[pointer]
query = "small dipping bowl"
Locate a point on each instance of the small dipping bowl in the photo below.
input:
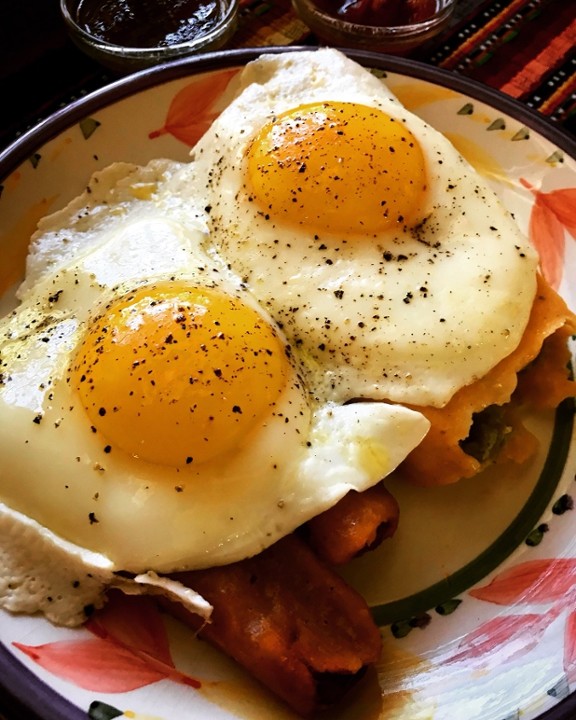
(128, 35)
(396, 27)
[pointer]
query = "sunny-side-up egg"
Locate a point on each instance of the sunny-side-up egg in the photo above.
(387, 261)
(152, 415)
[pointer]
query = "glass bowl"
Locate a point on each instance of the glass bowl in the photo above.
(339, 30)
(123, 40)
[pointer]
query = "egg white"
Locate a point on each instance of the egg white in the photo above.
(42, 573)
(406, 316)
(131, 227)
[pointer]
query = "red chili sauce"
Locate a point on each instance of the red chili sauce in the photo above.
(380, 12)
(147, 23)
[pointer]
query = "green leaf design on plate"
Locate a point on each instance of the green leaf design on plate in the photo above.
(379, 73)
(498, 124)
(401, 628)
(563, 504)
(556, 157)
(102, 711)
(448, 607)
(467, 109)
(536, 536)
(561, 689)
(88, 126)
(522, 134)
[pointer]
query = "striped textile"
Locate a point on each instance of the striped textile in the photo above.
(526, 48)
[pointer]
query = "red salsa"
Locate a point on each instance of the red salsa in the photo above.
(147, 23)
(380, 12)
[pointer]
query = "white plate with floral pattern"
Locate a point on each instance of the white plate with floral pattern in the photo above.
(476, 593)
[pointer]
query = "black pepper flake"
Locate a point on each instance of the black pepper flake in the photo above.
(38, 419)
(102, 411)
(108, 449)
(55, 297)
(92, 518)
(339, 294)
(237, 409)
(188, 460)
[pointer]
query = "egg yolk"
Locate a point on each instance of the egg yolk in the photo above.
(338, 167)
(176, 375)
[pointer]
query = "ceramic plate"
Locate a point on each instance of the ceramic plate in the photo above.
(476, 592)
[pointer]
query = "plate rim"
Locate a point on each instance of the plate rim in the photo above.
(44, 131)
(22, 692)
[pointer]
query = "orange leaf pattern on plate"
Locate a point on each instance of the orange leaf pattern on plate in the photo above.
(550, 581)
(192, 109)
(570, 646)
(502, 638)
(553, 213)
(535, 581)
(130, 650)
(93, 664)
(144, 634)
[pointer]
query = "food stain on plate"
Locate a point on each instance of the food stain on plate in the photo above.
(15, 243)
(481, 160)
(399, 699)
(415, 96)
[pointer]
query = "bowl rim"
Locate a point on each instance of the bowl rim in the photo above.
(389, 32)
(140, 53)
(22, 693)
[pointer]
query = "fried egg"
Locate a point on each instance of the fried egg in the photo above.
(151, 411)
(383, 256)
